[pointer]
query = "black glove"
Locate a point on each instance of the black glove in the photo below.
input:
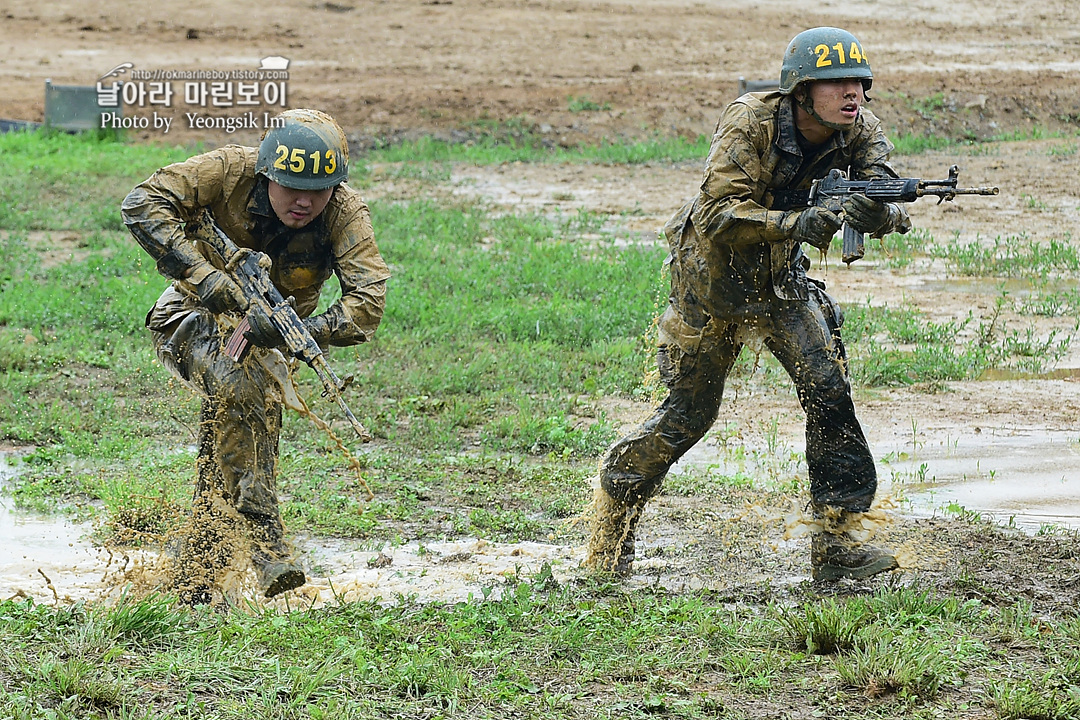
(816, 226)
(219, 294)
(262, 331)
(867, 215)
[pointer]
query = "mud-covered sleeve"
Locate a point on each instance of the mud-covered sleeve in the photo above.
(871, 150)
(362, 273)
(728, 207)
(156, 210)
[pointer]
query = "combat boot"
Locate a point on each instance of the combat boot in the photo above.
(276, 568)
(278, 576)
(611, 545)
(836, 554)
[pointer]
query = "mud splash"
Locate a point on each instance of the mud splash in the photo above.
(55, 561)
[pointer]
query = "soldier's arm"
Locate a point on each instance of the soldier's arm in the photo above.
(870, 161)
(726, 203)
(157, 210)
(362, 273)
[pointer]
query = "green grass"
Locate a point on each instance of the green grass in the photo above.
(59, 181)
(911, 144)
(492, 143)
(897, 346)
(900, 250)
(586, 104)
(531, 647)
(1012, 256)
(493, 150)
(500, 335)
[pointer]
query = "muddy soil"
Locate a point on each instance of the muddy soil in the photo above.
(402, 69)
(418, 66)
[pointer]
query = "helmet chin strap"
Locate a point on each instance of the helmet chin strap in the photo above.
(807, 104)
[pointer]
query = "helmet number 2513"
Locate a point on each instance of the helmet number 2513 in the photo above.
(297, 162)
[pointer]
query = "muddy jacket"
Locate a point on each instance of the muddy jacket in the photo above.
(163, 212)
(729, 249)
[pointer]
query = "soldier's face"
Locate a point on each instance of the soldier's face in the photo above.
(838, 101)
(297, 208)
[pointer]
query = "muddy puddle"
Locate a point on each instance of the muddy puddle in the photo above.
(48, 558)
(1026, 478)
(347, 571)
(54, 561)
(1029, 478)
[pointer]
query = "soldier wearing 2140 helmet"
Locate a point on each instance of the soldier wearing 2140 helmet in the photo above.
(287, 199)
(738, 271)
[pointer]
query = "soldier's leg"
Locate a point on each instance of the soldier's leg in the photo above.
(805, 338)
(210, 541)
(238, 458)
(634, 467)
(807, 343)
(205, 549)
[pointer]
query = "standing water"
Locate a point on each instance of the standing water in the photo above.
(46, 557)
(1028, 478)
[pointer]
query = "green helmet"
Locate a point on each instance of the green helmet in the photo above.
(304, 150)
(824, 53)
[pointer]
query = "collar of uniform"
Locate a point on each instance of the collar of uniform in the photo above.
(787, 136)
(259, 204)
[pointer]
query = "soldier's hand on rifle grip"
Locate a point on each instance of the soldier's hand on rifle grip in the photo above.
(263, 332)
(867, 215)
(219, 294)
(816, 226)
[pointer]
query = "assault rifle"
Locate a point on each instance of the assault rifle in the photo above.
(249, 269)
(831, 191)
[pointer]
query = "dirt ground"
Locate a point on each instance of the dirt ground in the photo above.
(393, 69)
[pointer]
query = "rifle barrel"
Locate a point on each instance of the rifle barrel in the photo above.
(949, 191)
(330, 384)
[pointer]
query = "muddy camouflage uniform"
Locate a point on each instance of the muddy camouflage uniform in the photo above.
(736, 272)
(241, 406)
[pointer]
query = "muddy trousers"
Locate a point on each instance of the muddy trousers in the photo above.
(239, 427)
(805, 337)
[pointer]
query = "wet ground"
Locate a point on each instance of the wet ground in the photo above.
(47, 557)
(55, 560)
(1024, 479)
(1027, 478)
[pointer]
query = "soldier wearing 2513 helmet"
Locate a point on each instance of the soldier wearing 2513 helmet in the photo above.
(288, 199)
(738, 271)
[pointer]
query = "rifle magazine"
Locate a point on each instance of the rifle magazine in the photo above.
(238, 345)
